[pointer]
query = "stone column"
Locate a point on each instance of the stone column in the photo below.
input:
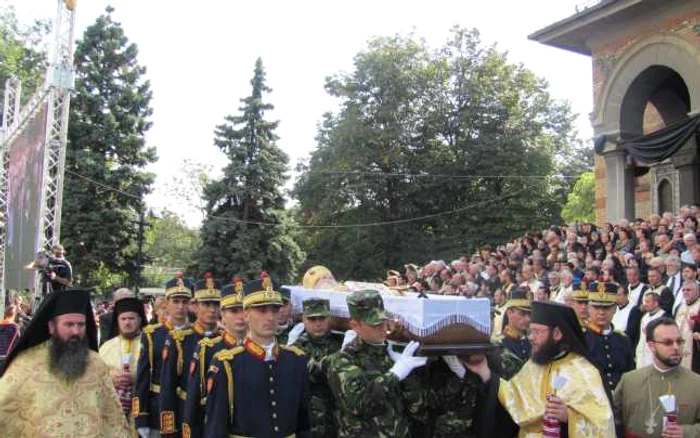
(688, 166)
(619, 183)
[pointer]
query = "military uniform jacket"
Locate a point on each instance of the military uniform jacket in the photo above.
(369, 398)
(193, 417)
(179, 348)
(611, 352)
(515, 352)
(248, 396)
(144, 406)
(282, 334)
(322, 405)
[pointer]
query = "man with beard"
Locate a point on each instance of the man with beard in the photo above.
(179, 349)
(610, 350)
(318, 342)
(54, 382)
(121, 352)
(636, 399)
(145, 404)
(261, 388)
(233, 336)
(558, 383)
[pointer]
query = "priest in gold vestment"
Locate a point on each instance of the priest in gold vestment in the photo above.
(558, 382)
(121, 352)
(54, 383)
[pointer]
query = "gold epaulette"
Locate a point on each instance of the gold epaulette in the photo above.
(209, 342)
(151, 328)
(622, 332)
(180, 335)
(228, 354)
(296, 350)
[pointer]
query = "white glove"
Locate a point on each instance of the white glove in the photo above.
(392, 354)
(144, 432)
(407, 362)
(348, 338)
(455, 365)
(295, 332)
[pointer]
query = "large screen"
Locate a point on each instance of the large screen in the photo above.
(24, 182)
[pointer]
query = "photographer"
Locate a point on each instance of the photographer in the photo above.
(60, 272)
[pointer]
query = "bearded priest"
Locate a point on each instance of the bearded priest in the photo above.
(54, 382)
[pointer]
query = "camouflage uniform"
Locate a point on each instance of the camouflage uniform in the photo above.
(282, 333)
(371, 400)
(318, 348)
(453, 401)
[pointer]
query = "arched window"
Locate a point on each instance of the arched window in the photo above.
(665, 193)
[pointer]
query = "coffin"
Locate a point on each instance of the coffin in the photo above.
(438, 322)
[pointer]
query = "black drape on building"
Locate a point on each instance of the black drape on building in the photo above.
(659, 145)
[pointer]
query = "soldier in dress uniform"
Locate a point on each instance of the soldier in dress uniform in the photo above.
(516, 348)
(180, 347)
(260, 389)
(318, 342)
(232, 336)
(365, 380)
(610, 350)
(579, 303)
(145, 405)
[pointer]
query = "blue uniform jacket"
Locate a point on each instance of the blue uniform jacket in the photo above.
(520, 347)
(612, 354)
(193, 419)
(249, 397)
(180, 346)
(144, 406)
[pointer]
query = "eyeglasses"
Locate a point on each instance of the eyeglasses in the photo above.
(670, 342)
(537, 332)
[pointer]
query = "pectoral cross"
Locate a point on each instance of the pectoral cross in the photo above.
(650, 424)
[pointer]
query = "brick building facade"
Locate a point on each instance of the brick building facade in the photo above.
(645, 61)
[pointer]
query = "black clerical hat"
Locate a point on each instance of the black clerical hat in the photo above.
(60, 302)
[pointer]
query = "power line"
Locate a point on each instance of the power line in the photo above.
(431, 175)
(376, 224)
(104, 186)
(342, 226)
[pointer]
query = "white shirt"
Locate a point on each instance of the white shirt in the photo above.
(635, 294)
(643, 355)
(677, 281)
(622, 316)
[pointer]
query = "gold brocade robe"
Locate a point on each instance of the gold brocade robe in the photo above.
(35, 403)
(524, 397)
(113, 353)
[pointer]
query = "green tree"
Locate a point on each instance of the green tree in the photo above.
(236, 237)
(457, 137)
(106, 154)
(169, 246)
(22, 52)
(580, 203)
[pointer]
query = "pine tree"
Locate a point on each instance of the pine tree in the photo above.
(234, 239)
(109, 117)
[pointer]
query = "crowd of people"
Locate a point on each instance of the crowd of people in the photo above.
(595, 327)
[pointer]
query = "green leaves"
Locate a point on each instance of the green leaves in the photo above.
(246, 228)
(580, 203)
(109, 117)
(422, 132)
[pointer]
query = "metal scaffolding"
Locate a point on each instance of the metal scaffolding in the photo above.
(56, 94)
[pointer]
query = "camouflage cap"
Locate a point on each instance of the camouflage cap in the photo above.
(317, 307)
(367, 306)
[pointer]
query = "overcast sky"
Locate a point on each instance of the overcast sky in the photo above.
(200, 57)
